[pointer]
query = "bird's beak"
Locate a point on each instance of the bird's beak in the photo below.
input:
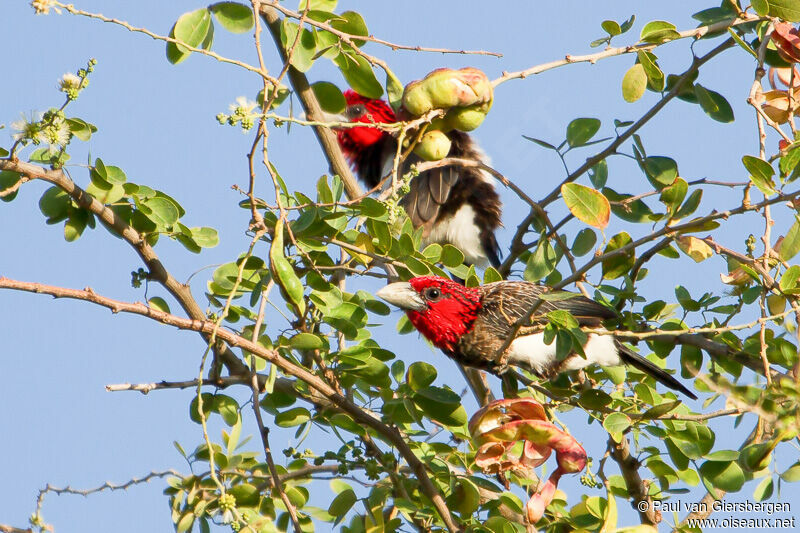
(334, 117)
(403, 296)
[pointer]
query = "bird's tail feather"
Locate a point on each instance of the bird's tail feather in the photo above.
(637, 361)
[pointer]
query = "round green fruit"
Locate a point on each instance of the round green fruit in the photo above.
(433, 146)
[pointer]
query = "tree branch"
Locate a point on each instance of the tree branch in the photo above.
(157, 271)
(390, 433)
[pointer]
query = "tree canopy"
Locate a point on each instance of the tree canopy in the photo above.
(654, 171)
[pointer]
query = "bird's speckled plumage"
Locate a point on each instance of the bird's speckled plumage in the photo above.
(472, 324)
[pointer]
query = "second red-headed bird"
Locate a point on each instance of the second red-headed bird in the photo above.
(454, 205)
(471, 325)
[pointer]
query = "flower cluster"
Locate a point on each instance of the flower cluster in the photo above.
(242, 112)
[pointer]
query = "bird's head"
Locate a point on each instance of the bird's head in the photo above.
(368, 111)
(441, 309)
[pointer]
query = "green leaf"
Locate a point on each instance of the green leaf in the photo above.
(8, 179)
(465, 498)
(205, 237)
(303, 53)
(163, 212)
(611, 27)
(227, 408)
(308, 341)
(158, 303)
(246, 495)
(594, 399)
(185, 522)
(233, 16)
(372, 208)
(788, 10)
(106, 193)
(615, 424)
(587, 204)
(690, 205)
(584, 242)
(761, 174)
(761, 7)
(541, 262)
(742, 43)
(723, 456)
(420, 375)
(714, 104)
(673, 195)
(618, 265)
(342, 503)
(764, 490)
(634, 83)
(329, 96)
(633, 211)
(54, 204)
(292, 417)
(789, 279)
(317, 5)
(660, 171)
(191, 28)
(451, 256)
(659, 31)
(598, 174)
(727, 476)
(394, 90)
(543, 144)
(359, 75)
(661, 409)
(792, 475)
(655, 77)
(352, 23)
(76, 223)
(791, 243)
(79, 128)
(442, 405)
(3, 152)
(284, 274)
(581, 130)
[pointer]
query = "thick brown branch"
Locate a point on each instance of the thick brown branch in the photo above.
(326, 137)
(629, 466)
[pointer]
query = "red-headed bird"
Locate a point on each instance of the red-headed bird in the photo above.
(471, 325)
(455, 205)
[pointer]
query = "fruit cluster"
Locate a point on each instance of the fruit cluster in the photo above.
(465, 94)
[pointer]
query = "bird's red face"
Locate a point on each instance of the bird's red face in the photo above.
(441, 309)
(368, 111)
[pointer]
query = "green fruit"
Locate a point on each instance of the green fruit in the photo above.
(445, 88)
(433, 146)
(467, 118)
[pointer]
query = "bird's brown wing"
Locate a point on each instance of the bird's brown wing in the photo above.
(511, 300)
(505, 302)
(426, 195)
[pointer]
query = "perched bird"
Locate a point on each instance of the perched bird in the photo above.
(455, 205)
(471, 324)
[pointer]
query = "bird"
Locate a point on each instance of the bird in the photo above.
(472, 324)
(454, 205)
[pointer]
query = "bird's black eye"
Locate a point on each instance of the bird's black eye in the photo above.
(432, 294)
(355, 111)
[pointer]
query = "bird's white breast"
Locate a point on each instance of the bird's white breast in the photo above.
(531, 352)
(461, 231)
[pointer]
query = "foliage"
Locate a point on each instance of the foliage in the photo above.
(400, 429)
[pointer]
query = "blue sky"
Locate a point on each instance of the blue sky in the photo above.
(156, 121)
